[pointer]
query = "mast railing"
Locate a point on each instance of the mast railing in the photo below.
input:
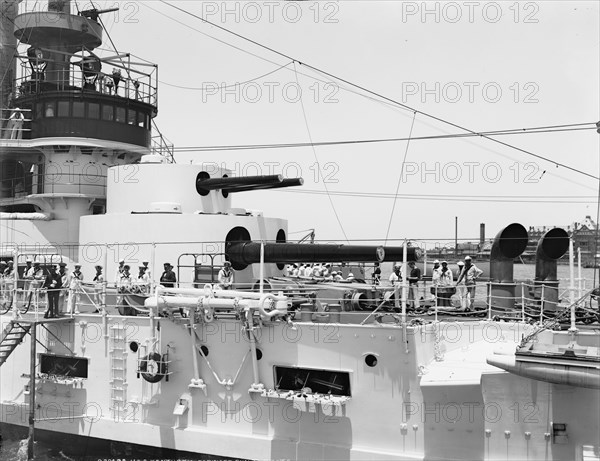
(130, 84)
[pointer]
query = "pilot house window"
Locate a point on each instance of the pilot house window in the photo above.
(94, 110)
(120, 117)
(78, 109)
(63, 108)
(107, 113)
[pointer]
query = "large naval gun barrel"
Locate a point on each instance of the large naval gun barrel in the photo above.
(509, 243)
(552, 246)
(249, 253)
(245, 183)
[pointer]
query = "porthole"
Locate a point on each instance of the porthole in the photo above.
(371, 360)
(133, 346)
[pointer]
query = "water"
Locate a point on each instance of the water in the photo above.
(52, 446)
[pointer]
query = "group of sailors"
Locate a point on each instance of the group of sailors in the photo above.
(126, 282)
(62, 287)
(442, 280)
(317, 270)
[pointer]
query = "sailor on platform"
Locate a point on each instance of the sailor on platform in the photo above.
(413, 285)
(119, 272)
(62, 297)
(147, 270)
(37, 280)
(445, 285)
(470, 274)
(435, 278)
(124, 284)
(376, 275)
(10, 268)
(53, 284)
(3, 294)
(396, 277)
(168, 278)
(28, 277)
(99, 298)
(225, 276)
(74, 280)
(460, 288)
(15, 125)
(142, 283)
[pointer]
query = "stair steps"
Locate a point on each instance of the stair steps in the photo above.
(12, 337)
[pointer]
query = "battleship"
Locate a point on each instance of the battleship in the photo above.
(274, 364)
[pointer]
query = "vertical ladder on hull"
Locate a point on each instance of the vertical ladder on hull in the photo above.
(12, 337)
(118, 384)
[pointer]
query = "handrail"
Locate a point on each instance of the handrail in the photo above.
(45, 183)
(143, 89)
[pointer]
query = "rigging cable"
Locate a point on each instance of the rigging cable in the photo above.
(400, 177)
(374, 93)
(318, 164)
(556, 199)
(378, 140)
(227, 86)
(597, 233)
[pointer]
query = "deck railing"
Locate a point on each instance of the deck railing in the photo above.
(50, 183)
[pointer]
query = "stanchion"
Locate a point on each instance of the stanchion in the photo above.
(542, 306)
(436, 303)
(522, 301)
(489, 286)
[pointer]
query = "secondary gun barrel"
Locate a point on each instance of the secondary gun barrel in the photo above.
(249, 253)
(288, 182)
(245, 183)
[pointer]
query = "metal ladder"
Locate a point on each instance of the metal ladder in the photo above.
(118, 372)
(13, 336)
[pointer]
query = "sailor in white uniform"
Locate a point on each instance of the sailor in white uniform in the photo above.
(225, 276)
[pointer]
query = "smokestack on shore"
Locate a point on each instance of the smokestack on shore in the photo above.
(481, 235)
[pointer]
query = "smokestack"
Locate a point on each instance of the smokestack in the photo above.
(8, 49)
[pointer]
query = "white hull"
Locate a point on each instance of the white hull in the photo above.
(409, 406)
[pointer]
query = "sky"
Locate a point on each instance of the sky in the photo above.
(484, 66)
